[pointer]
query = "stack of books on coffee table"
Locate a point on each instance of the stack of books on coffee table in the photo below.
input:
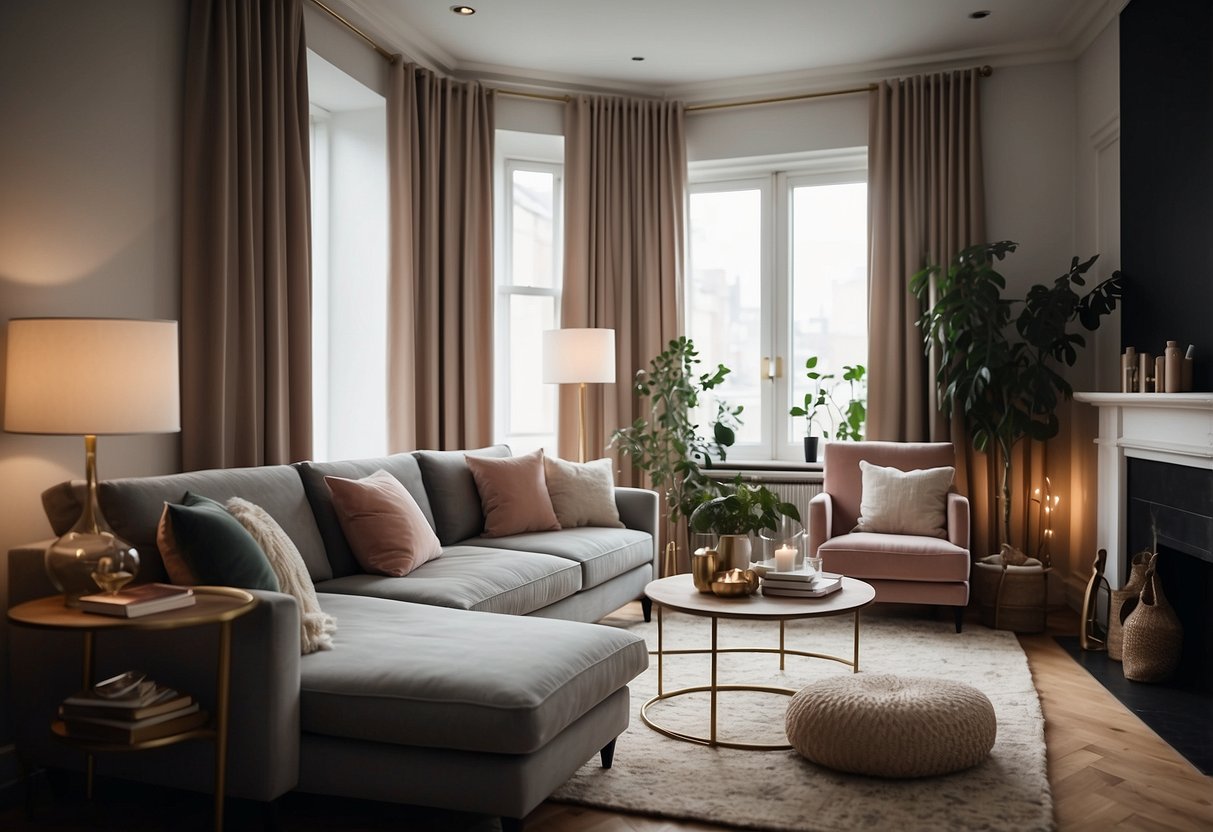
(148, 711)
(800, 584)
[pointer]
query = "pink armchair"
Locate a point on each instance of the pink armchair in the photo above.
(903, 568)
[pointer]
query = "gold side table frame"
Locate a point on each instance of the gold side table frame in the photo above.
(213, 605)
(673, 593)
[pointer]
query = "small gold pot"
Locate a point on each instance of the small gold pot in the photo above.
(735, 583)
(704, 566)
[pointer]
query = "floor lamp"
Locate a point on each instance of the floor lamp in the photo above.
(579, 356)
(84, 377)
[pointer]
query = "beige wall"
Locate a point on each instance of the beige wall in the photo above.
(89, 216)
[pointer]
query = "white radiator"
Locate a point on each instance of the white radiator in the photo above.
(791, 488)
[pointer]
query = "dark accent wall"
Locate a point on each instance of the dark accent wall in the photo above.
(1166, 209)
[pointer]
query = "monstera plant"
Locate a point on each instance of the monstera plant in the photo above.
(999, 358)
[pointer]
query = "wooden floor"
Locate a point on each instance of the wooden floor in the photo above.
(1106, 768)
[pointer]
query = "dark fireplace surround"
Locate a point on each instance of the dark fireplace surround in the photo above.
(1171, 507)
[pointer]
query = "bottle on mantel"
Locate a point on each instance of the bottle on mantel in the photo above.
(1174, 369)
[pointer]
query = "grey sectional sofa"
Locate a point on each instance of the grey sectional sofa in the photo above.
(454, 686)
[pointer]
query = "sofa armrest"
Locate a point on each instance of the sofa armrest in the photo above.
(263, 732)
(640, 509)
(958, 520)
(821, 521)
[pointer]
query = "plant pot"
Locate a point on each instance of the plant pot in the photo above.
(1011, 597)
(733, 552)
(810, 449)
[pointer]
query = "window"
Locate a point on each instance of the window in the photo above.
(778, 272)
(529, 232)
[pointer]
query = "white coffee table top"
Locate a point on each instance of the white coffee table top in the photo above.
(678, 592)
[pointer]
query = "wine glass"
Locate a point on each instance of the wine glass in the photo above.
(116, 570)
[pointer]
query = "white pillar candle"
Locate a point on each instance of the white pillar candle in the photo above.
(785, 559)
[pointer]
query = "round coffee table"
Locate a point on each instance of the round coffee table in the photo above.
(678, 593)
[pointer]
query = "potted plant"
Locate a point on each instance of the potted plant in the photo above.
(742, 511)
(847, 421)
(999, 362)
(668, 445)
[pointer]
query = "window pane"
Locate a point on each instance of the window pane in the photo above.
(532, 404)
(829, 287)
(724, 298)
(533, 211)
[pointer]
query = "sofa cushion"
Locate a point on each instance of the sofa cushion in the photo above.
(133, 507)
(212, 546)
(583, 494)
(905, 557)
(383, 524)
(513, 494)
(473, 578)
(602, 553)
(452, 491)
(401, 466)
(440, 678)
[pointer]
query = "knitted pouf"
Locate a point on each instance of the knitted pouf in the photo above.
(891, 726)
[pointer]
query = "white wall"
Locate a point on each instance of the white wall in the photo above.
(771, 129)
(89, 214)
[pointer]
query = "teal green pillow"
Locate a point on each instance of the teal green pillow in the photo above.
(214, 546)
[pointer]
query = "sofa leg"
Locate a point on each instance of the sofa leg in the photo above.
(511, 824)
(959, 613)
(646, 606)
(607, 754)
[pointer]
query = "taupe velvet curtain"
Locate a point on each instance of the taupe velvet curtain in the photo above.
(624, 214)
(926, 202)
(440, 280)
(246, 373)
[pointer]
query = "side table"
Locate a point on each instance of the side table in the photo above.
(213, 605)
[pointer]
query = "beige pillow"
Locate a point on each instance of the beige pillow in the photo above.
(385, 527)
(904, 502)
(513, 494)
(316, 625)
(583, 494)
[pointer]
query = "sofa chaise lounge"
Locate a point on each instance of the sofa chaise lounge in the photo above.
(475, 682)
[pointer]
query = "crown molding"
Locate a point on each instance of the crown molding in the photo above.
(410, 43)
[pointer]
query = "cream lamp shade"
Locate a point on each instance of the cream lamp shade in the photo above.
(90, 376)
(579, 356)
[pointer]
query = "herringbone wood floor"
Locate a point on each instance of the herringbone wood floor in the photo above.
(1106, 768)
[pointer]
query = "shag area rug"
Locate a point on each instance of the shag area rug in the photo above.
(780, 790)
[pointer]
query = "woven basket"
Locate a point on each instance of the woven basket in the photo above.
(1126, 594)
(1153, 637)
(1011, 597)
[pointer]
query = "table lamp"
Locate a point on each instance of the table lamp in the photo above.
(91, 376)
(579, 356)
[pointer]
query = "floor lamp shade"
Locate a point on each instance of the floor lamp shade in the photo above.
(579, 356)
(90, 376)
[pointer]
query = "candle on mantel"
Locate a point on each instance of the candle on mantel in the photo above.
(785, 559)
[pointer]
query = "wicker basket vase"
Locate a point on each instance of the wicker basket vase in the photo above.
(1153, 636)
(1011, 597)
(1123, 602)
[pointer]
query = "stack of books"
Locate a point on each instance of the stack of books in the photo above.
(144, 599)
(145, 711)
(800, 584)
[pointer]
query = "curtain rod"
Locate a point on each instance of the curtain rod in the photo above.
(983, 71)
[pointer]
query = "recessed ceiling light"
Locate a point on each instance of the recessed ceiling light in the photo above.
(466, 11)
(978, 15)
(637, 58)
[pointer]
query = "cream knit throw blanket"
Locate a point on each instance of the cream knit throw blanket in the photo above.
(317, 625)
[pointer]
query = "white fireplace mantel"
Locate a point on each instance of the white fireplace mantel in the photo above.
(1164, 427)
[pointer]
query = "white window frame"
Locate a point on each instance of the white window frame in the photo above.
(776, 176)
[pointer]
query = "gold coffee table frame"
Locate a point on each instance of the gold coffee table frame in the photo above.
(678, 593)
(213, 605)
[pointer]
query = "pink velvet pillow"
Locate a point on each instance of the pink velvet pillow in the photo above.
(514, 494)
(383, 523)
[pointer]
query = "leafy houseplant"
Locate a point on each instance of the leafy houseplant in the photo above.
(999, 357)
(743, 511)
(667, 445)
(847, 421)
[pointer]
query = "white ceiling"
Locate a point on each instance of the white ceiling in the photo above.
(695, 47)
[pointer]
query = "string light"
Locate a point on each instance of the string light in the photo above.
(1046, 502)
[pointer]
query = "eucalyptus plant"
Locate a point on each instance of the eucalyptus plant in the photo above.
(999, 357)
(668, 445)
